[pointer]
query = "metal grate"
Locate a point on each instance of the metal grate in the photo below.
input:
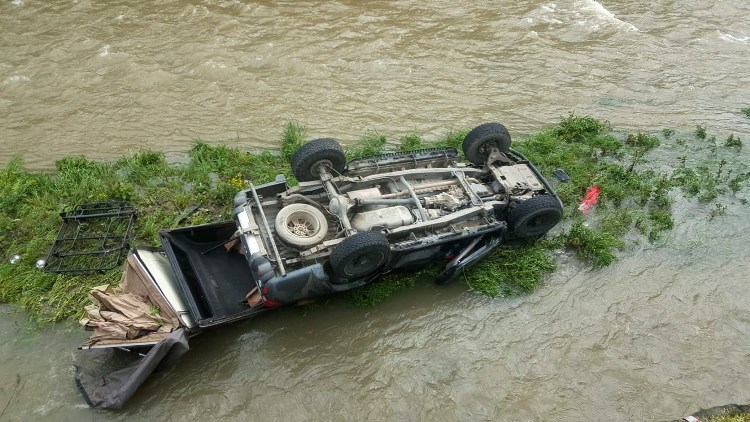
(93, 237)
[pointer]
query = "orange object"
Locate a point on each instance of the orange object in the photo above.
(592, 195)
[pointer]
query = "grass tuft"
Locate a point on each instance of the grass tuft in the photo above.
(596, 247)
(573, 128)
(510, 271)
(291, 139)
(642, 140)
(700, 132)
(411, 142)
(387, 286)
(369, 145)
(729, 417)
(733, 141)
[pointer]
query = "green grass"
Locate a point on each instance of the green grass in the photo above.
(30, 204)
(510, 271)
(709, 179)
(388, 286)
(733, 141)
(594, 246)
(700, 132)
(635, 200)
(291, 139)
(369, 145)
(667, 133)
(734, 417)
(411, 142)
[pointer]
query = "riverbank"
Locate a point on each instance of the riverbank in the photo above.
(634, 205)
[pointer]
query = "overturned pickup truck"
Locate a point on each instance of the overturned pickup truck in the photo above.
(343, 226)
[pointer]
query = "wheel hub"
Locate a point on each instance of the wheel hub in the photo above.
(315, 168)
(300, 227)
(365, 263)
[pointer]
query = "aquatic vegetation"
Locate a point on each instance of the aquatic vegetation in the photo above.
(618, 222)
(719, 210)
(643, 141)
(573, 128)
(595, 246)
(733, 141)
(661, 221)
(635, 200)
(700, 132)
(509, 271)
(708, 180)
(736, 183)
(746, 112)
(389, 285)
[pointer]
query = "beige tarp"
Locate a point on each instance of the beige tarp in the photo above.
(133, 312)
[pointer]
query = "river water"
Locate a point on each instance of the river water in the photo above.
(660, 333)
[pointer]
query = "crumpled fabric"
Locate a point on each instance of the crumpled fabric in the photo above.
(120, 315)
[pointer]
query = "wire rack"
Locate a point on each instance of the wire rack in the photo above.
(93, 238)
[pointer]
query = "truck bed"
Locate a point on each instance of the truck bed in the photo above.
(214, 281)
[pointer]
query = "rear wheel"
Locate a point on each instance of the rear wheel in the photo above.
(301, 225)
(535, 216)
(360, 255)
(309, 157)
(481, 139)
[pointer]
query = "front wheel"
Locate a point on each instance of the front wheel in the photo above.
(535, 216)
(481, 139)
(360, 255)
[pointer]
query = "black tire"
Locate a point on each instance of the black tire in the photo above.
(535, 216)
(477, 141)
(310, 156)
(360, 255)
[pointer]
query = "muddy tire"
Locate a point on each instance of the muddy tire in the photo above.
(477, 142)
(301, 225)
(535, 217)
(360, 255)
(310, 156)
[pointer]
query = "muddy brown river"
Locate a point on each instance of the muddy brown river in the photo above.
(662, 332)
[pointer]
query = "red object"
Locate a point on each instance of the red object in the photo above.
(592, 195)
(271, 303)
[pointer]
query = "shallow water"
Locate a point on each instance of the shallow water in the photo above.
(655, 336)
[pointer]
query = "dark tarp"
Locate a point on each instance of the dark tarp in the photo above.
(111, 391)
